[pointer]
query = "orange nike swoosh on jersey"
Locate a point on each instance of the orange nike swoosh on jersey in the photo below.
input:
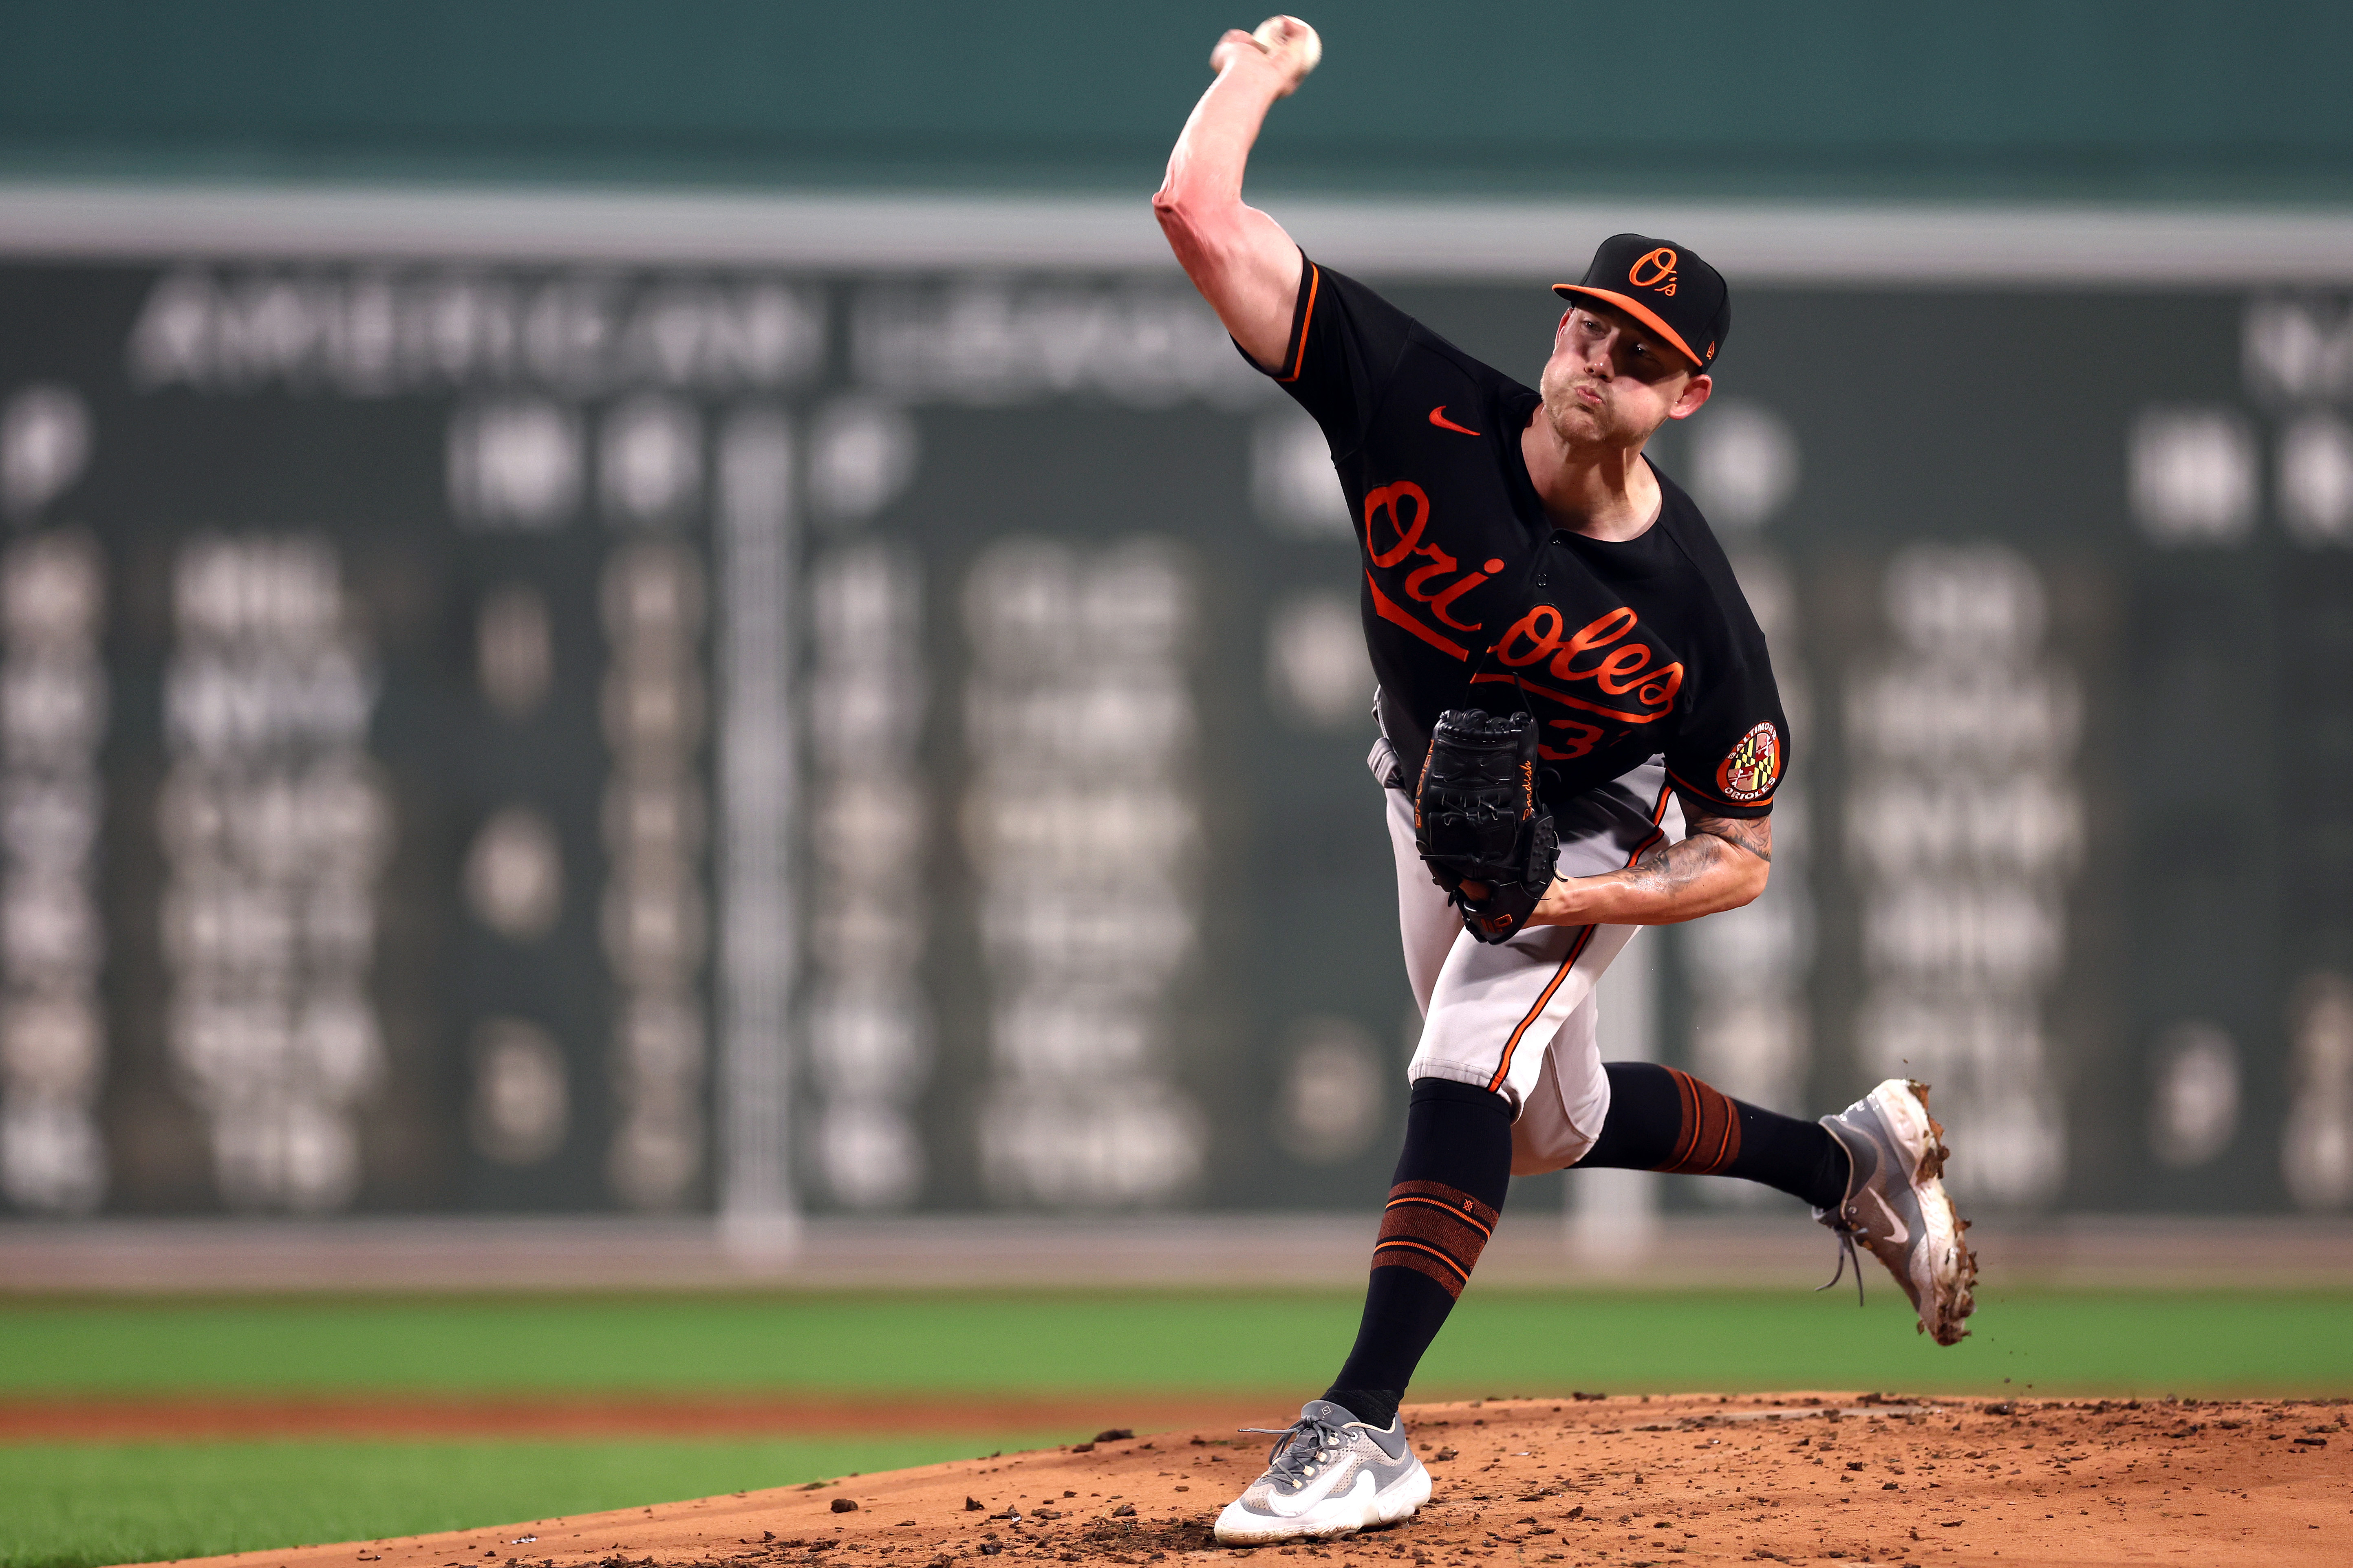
(1438, 417)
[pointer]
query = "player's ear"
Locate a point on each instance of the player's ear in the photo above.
(1693, 394)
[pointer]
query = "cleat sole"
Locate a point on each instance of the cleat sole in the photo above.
(1946, 1282)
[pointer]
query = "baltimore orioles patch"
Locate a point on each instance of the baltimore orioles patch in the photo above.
(1754, 766)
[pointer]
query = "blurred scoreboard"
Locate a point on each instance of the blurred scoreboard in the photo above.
(511, 735)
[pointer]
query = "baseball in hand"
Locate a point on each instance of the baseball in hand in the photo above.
(1292, 45)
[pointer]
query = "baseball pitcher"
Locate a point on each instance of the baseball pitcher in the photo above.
(1580, 736)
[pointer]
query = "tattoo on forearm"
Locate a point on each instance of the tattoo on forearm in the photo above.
(1752, 833)
(1714, 844)
(1668, 869)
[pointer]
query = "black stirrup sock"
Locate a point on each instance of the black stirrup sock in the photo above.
(1448, 1191)
(1661, 1119)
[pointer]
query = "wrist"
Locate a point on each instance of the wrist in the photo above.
(1564, 903)
(1250, 80)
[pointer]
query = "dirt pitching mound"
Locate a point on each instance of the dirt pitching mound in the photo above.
(1660, 1481)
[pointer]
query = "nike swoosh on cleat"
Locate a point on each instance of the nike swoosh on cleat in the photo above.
(1897, 1231)
(1320, 1495)
(1438, 417)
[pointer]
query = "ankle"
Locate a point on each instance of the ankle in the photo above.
(1376, 1407)
(1833, 1175)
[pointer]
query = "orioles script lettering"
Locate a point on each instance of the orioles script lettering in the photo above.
(1397, 516)
(1621, 666)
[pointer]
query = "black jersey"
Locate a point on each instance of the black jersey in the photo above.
(1473, 597)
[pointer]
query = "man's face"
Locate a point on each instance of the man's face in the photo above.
(1611, 382)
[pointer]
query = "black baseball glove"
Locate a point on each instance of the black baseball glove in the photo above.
(1476, 818)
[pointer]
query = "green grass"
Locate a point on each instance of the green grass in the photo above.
(75, 1506)
(2109, 1342)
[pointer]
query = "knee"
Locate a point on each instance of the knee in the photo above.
(1554, 1147)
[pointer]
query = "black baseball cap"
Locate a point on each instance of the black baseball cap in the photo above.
(1665, 287)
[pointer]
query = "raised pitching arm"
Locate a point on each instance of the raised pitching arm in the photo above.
(1239, 258)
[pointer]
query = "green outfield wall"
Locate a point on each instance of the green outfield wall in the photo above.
(2055, 98)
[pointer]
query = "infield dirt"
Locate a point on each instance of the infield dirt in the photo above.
(1660, 1482)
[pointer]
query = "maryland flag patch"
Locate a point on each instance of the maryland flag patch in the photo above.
(1754, 766)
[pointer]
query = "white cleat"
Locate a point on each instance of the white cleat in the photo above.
(1330, 1473)
(1895, 1205)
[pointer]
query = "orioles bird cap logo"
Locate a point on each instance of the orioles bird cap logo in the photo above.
(1654, 270)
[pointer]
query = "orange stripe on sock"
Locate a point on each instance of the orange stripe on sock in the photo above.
(1708, 1138)
(1400, 1242)
(1435, 1229)
(1464, 1215)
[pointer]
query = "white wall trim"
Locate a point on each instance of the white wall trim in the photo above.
(1786, 244)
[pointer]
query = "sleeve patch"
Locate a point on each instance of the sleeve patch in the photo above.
(1753, 767)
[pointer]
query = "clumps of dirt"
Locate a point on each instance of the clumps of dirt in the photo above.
(1130, 1539)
